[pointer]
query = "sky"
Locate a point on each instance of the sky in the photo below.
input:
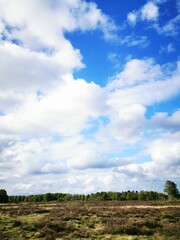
(89, 95)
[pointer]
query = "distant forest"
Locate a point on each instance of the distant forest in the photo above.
(171, 192)
(99, 196)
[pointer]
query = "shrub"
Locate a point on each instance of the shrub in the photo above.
(17, 223)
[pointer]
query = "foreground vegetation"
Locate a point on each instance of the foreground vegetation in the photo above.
(126, 220)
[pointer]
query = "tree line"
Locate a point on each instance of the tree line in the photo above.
(170, 192)
(99, 196)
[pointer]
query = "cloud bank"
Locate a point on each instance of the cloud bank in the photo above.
(61, 133)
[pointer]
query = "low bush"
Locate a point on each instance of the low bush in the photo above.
(17, 223)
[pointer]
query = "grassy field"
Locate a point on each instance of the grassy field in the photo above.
(91, 220)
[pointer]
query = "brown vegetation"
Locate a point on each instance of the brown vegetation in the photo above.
(90, 220)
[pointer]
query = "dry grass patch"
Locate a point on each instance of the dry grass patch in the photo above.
(90, 220)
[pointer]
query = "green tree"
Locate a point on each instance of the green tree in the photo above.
(47, 197)
(142, 195)
(3, 196)
(171, 190)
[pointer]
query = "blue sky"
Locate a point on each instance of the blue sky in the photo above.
(89, 95)
(157, 45)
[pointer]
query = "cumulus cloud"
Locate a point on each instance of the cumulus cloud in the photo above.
(27, 67)
(162, 120)
(136, 71)
(49, 127)
(149, 12)
(65, 110)
(42, 61)
(141, 82)
(46, 132)
(87, 181)
(132, 18)
(125, 123)
(50, 20)
(130, 93)
(64, 134)
(41, 40)
(165, 155)
(46, 164)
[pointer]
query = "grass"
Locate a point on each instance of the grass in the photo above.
(90, 220)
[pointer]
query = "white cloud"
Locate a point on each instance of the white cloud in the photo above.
(136, 71)
(129, 93)
(87, 181)
(65, 134)
(165, 154)
(27, 67)
(149, 12)
(43, 57)
(168, 49)
(72, 107)
(41, 162)
(162, 120)
(135, 40)
(132, 18)
(170, 28)
(39, 94)
(139, 84)
(142, 94)
(163, 164)
(126, 123)
(49, 22)
(65, 110)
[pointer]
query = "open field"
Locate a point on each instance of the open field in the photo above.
(91, 220)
